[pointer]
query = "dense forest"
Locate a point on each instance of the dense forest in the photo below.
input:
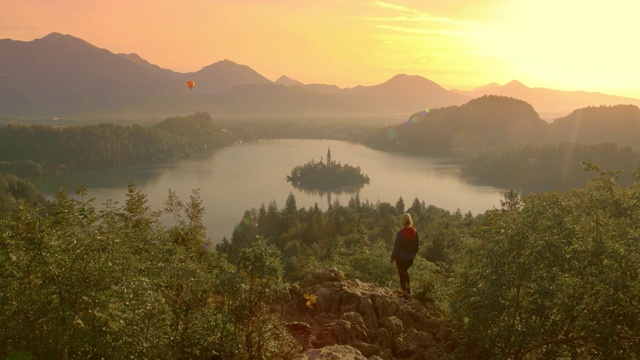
(540, 168)
(29, 150)
(13, 190)
(617, 124)
(550, 275)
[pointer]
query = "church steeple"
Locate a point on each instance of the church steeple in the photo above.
(329, 157)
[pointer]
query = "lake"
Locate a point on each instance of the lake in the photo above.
(244, 176)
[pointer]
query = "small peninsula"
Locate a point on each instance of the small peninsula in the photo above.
(327, 176)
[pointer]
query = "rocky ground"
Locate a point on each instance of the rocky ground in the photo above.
(355, 320)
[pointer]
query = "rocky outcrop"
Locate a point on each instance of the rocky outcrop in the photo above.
(372, 322)
(333, 352)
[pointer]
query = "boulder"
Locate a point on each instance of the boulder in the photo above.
(361, 317)
(329, 275)
(302, 332)
(333, 352)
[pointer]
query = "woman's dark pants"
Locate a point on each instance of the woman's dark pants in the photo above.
(403, 268)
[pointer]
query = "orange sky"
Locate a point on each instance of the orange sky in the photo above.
(586, 45)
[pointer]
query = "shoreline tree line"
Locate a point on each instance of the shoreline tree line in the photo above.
(31, 150)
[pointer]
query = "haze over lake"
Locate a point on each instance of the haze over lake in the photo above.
(245, 176)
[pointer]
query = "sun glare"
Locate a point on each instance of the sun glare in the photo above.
(564, 44)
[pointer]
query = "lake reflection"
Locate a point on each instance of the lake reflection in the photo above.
(245, 176)
(351, 189)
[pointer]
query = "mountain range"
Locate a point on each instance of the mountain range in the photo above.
(64, 76)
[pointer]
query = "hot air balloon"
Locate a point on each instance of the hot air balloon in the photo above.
(191, 84)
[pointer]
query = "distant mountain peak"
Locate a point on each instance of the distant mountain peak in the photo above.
(58, 38)
(402, 76)
(410, 82)
(132, 56)
(514, 84)
(225, 62)
(404, 79)
(225, 74)
(287, 81)
(225, 65)
(53, 36)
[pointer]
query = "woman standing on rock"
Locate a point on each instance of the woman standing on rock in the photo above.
(405, 249)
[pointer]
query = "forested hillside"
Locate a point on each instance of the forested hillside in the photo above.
(14, 190)
(497, 122)
(551, 275)
(486, 122)
(40, 149)
(540, 168)
(618, 124)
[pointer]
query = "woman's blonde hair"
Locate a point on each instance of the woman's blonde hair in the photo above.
(406, 220)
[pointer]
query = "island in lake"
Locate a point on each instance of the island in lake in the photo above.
(327, 176)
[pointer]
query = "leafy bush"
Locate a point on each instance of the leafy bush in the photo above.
(553, 276)
(80, 283)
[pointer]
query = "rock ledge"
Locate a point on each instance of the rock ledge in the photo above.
(355, 320)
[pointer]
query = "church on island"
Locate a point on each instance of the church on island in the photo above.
(326, 175)
(329, 163)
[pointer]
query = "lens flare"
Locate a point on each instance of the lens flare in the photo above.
(392, 134)
(418, 116)
(413, 119)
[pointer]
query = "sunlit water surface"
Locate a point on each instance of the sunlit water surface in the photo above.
(244, 176)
